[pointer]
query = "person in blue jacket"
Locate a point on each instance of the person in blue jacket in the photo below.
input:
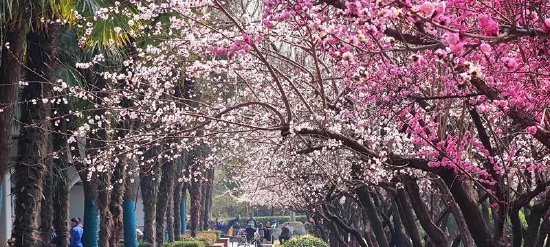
(76, 233)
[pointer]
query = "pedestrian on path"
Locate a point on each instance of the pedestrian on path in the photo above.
(286, 233)
(76, 233)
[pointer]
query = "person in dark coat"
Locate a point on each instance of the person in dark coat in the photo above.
(267, 235)
(286, 233)
(55, 239)
(251, 223)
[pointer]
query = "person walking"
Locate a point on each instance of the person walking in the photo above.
(251, 222)
(286, 233)
(76, 233)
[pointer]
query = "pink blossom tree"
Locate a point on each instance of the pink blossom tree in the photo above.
(322, 101)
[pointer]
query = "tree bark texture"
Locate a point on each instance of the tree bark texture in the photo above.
(178, 193)
(106, 218)
(149, 190)
(195, 193)
(60, 186)
(35, 144)
(375, 221)
(10, 75)
(115, 205)
(208, 185)
(162, 201)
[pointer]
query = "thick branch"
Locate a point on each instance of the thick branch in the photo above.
(472, 215)
(393, 160)
(525, 198)
(344, 226)
(436, 234)
(375, 221)
(466, 237)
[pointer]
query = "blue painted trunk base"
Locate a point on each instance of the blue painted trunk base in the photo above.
(1, 199)
(183, 214)
(91, 224)
(130, 225)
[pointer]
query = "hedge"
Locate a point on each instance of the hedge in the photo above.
(305, 241)
(185, 244)
(216, 233)
(208, 237)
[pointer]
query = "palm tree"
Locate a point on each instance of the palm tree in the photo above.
(34, 161)
(60, 186)
(13, 14)
(12, 34)
(67, 48)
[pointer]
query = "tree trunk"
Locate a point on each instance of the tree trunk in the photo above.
(466, 237)
(320, 230)
(208, 193)
(162, 202)
(46, 212)
(115, 206)
(61, 183)
(544, 230)
(203, 220)
(535, 217)
(91, 214)
(130, 225)
(472, 214)
(106, 218)
(194, 190)
(436, 235)
(170, 216)
(10, 74)
(183, 207)
(35, 142)
(61, 203)
(149, 191)
(408, 218)
(178, 187)
(401, 238)
(170, 207)
(375, 221)
(195, 193)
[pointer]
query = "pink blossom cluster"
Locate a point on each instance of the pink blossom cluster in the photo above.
(305, 92)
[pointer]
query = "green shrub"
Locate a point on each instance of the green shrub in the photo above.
(143, 244)
(205, 240)
(216, 233)
(305, 241)
(209, 237)
(185, 244)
